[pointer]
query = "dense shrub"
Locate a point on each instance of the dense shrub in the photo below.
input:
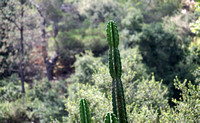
(99, 105)
(98, 10)
(133, 20)
(194, 52)
(187, 107)
(94, 39)
(85, 65)
(68, 45)
(148, 102)
(10, 89)
(132, 69)
(40, 102)
(160, 51)
(150, 93)
(157, 9)
(132, 26)
(144, 100)
(196, 74)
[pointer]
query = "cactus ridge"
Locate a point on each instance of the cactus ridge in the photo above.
(114, 56)
(115, 69)
(84, 111)
(110, 118)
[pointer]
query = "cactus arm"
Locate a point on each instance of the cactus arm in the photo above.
(110, 118)
(115, 69)
(84, 111)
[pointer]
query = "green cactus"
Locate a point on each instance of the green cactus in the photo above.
(118, 101)
(110, 118)
(84, 111)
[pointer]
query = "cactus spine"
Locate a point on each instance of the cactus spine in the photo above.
(84, 111)
(110, 118)
(118, 101)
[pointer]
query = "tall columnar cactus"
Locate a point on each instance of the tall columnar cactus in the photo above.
(84, 111)
(118, 101)
(110, 118)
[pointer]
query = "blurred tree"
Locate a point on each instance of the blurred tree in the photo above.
(19, 24)
(132, 23)
(98, 11)
(43, 12)
(21, 20)
(6, 49)
(160, 50)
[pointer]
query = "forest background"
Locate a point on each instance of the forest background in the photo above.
(54, 52)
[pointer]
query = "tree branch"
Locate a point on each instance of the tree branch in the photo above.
(37, 7)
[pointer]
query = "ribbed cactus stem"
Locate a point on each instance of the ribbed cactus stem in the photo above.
(110, 118)
(84, 111)
(118, 101)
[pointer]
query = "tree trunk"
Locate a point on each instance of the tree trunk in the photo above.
(22, 51)
(49, 63)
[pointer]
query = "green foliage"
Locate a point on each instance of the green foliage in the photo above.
(160, 50)
(85, 66)
(6, 55)
(115, 68)
(84, 111)
(165, 48)
(194, 51)
(147, 102)
(150, 93)
(68, 45)
(195, 27)
(133, 20)
(132, 70)
(178, 24)
(145, 99)
(110, 118)
(11, 91)
(157, 9)
(6, 47)
(86, 38)
(97, 101)
(94, 39)
(98, 10)
(187, 107)
(132, 25)
(144, 114)
(196, 74)
(36, 105)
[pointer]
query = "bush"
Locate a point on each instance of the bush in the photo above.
(68, 45)
(145, 100)
(98, 11)
(187, 107)
(132, 26)
(10, 90)
(194, 52)
(94, 39)
(85, 65)
(36, 105)
(160, 51)
(99, 105)
(149, 93)
(132, 69)
(196, 74)
(157, 9)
